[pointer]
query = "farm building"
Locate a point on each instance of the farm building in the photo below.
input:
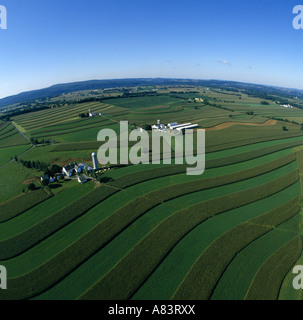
(81, 179)
(170, 125)
(95, 161)
(159, 126)
(92, 114)
(84, 166)
(188, 127)
(174, 127)
(70, 169)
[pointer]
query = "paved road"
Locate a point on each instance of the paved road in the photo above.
(21, 154)
(20, 131)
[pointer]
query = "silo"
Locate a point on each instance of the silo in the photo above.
(95, 161)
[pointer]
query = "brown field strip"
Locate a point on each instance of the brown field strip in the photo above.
(226, 125)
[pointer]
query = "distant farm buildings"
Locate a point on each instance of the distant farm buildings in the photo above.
(92, 114)
(174, 126)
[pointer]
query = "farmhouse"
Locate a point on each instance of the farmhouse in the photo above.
(70, 169)
(92, 114)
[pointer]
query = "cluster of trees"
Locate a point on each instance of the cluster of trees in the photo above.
(250, 113)
(36, 141)
(84, 115)
(38, 165)
(53, 170)
(11, 114)
(285, 120)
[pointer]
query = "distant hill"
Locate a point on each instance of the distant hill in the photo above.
(118, 83)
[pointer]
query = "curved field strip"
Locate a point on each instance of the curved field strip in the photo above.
(160, 111)
(105, 259)
(165, 280)
(3, 126)
(128, 275)
(6, 153)
(56, 117)
(38, 115)
(226, 125)
(71, 124)
(12, 232)
(44, 221)
(217, 257)
(279, 144)
(267, 281)
(22, 203)
(8, 135)
(8, 131)
(238, 276)
(72, 255)
(63, 129)
(75, 133)
(49, 121)
(15, 235)
(264, 166)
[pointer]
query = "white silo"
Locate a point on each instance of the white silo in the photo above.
(95, 161)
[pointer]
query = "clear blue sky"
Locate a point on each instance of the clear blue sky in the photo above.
(57, 41)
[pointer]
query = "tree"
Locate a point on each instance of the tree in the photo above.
(147, 127)
(284, 128)
(45, 183)
(31, 187)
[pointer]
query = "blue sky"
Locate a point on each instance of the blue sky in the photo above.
(57, 41)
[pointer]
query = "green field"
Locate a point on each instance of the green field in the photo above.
(151, 232)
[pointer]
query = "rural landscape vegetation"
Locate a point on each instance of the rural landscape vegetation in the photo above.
(151, 232)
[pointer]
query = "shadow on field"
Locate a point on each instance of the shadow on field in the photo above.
(55, 186)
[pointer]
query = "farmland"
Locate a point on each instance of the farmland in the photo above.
(151, 232)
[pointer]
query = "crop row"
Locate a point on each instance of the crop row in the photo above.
(267, 281)
(114, 223)
(16, 244)
(22, 203)
(216, 258)
(122, 281)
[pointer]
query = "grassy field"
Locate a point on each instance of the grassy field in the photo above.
(151, 232)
